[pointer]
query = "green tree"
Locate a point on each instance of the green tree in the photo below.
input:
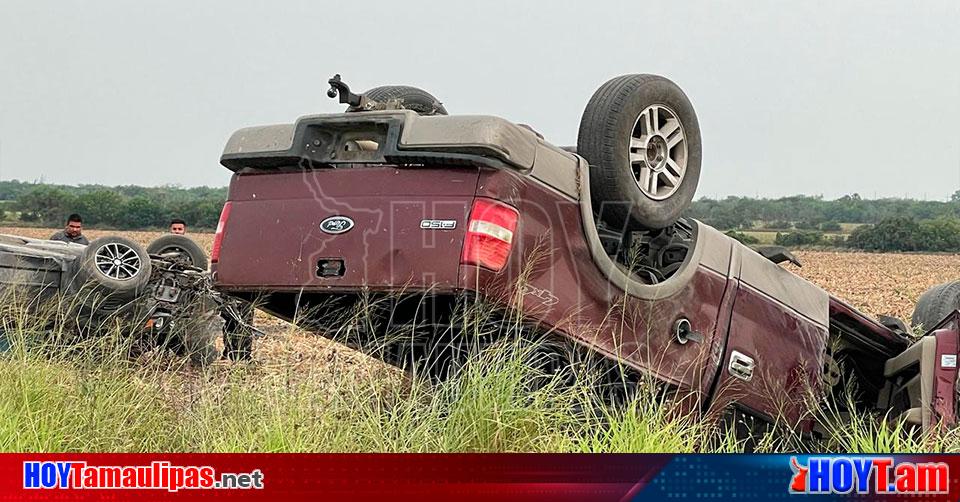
(142, 212)
(200, 212)
(13, 189)
(799, 238)
(896, 233)
(47, 204)
(101, 207)
(779, 225)
(941, 234)
(743, 238)
(806, 225)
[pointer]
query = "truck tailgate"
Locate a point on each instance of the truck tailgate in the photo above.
(408, 228)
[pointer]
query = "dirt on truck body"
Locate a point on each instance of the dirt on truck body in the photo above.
(417, 212)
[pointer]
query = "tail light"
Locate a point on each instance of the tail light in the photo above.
(489, 234)
(218, 238)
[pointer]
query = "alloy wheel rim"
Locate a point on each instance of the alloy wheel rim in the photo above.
(118, 261)
(658, 152)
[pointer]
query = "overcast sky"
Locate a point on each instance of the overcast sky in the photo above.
(813, 97)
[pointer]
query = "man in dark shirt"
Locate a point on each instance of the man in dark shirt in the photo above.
(73, 232)
(178, 226)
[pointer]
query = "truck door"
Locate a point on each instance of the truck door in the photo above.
(778, 330)
(679, 329)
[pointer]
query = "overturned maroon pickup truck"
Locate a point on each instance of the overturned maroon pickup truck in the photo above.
(399, 207)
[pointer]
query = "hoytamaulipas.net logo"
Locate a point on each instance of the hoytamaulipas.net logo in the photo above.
(159, 475)
(874, 475)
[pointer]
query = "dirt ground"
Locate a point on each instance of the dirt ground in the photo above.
(877, 284)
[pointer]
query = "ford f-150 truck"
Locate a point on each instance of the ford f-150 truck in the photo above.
(398, 205)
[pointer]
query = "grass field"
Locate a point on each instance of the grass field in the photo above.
(303, 393)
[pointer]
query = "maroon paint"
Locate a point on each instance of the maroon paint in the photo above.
(273, 239)
(866, 326)
(945, 378)
(272, 243)
(787, 347)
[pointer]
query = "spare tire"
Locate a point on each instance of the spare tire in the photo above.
(188, 250)
(934, 304)
(640, 135)
(115, 267)
(408, 98)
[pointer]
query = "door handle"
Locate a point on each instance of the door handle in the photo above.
(684, 332)
(741, 366)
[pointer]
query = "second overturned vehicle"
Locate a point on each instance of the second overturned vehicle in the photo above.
(164, 290)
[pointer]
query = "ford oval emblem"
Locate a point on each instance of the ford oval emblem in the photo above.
(336, 225)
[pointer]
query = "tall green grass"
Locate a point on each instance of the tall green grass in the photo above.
(61, 393)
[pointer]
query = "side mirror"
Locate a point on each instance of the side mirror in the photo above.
(777, 254)
(894, 324)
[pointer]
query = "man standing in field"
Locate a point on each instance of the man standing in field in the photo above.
(73, 232)
(178, 226)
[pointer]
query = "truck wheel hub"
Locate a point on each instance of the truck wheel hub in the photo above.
(658, 152)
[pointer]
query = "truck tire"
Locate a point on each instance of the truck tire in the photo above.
(640, 135)
(409, 98)
(935, 303)
(114, 267)
(189, 250)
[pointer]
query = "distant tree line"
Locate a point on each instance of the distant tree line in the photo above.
(896, 233)
(124, 207)
(806, 212)
(907, 234)
(885, 224)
